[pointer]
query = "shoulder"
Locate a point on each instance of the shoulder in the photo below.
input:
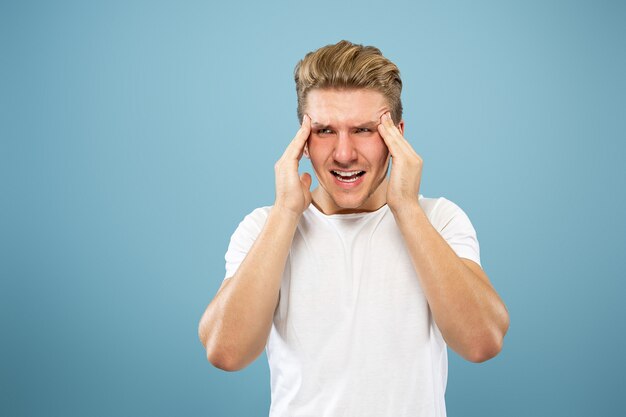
(255, 219)
(259, 214)
(437, 205)
(441, 211)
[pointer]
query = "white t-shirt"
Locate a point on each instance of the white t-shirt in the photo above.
(352, 335)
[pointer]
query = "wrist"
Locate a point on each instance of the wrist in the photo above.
(407, 210)
(286, 212)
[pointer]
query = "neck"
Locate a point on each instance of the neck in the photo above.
(324, 202)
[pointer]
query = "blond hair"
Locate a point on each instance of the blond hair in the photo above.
(348, 65)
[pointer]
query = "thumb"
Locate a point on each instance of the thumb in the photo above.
(306, 180)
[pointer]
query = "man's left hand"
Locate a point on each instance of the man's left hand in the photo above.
(406, 169)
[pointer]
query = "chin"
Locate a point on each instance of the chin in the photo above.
(344, 201)
(347, 200)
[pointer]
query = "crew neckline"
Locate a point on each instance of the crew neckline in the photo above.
(347, 215)
(352, 215)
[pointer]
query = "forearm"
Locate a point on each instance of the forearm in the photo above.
(235, 326)
(470, 314)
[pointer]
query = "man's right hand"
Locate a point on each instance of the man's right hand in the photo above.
(293, 192)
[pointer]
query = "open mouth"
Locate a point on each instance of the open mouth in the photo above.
(347, 176)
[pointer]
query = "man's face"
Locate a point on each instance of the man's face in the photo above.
(345, 140)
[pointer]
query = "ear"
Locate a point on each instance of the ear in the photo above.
(401, 127)
(306, 151)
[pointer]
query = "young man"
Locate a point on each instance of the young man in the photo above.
(356, 288)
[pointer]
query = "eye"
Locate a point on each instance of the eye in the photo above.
(363, 130)
(324, 131)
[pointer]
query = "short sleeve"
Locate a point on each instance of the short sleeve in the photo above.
(243, 238)
(456, 228)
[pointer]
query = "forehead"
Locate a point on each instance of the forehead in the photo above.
(334, 106)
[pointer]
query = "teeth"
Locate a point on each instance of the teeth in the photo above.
(346, 174)
(352, 180)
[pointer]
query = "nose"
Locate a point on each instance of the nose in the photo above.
(345, 152)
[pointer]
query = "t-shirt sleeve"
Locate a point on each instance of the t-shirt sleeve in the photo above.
(243, 238)
(456, 228)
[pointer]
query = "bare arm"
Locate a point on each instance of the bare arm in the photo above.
(471, 316)
(236, 324)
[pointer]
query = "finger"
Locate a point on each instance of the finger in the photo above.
(388, 134)
(296, 147)
(393, 135)
(388, 124)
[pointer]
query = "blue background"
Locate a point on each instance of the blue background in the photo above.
(136, 136)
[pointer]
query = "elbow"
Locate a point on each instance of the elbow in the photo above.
(222, 362)
(213, 355)
(219, 357)
(484, 351)
(490, 345)
(230, 358)
(487, 347)
(216, 357)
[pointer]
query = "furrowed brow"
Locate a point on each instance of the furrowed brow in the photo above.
(369, 125)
